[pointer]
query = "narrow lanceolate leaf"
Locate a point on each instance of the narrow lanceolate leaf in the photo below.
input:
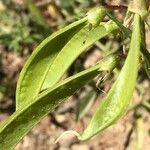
(23, 120)
(54, 55)
(33, 74)
(26, 117)
(116, 102)
(76, 45)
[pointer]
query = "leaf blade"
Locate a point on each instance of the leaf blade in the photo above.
(18, 124)
(37, 65)
(82, 40)
(117, 100)
(59, 62)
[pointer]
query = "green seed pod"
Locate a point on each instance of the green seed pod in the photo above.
(95, 16)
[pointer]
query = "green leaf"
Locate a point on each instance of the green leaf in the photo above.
(85, 103)
(54, 55)
(37, 66)
(27, 116)
(116, 102)
(76, 45)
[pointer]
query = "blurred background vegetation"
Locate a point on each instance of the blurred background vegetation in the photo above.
(23, 25)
